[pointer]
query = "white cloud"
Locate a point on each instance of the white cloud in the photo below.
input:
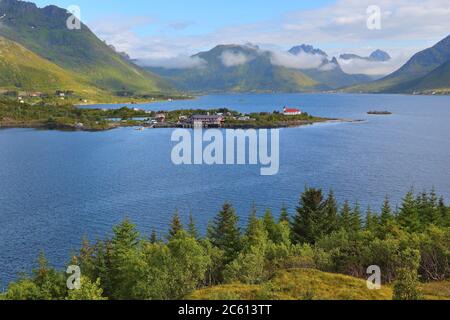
(232, 59)
(345, 21)
(300, 61)
(415, 24)
(328, 67)
(376, 68)
(178, 62)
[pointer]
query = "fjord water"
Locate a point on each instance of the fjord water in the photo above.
(56, 187)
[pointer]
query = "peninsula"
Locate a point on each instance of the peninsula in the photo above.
(14, 114)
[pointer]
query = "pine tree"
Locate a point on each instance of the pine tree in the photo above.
(125, 235)
(425, 208)
(386, 217)
(176, 226)
(444, 212)
(122, 255)
(256, 233)
(224, 232)
(153, 237)
(309, 219)
(284, 215)
(436, 218)
(345, 217)
(331, 221)
(355, 218)
(270, 225)
(252, 224)
(192, 229)
(408, 216)
(433, 199)
(372, 222)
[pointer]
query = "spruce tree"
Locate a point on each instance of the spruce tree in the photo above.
(331, 219)
(355, 218)
(436, 217)
(153, 237)
(225, 234)
(252, 224)
(444, 212)
(176, 226)
(386, 217)
(125, 235)
(256, 233)
(284, 215)
(345, 217)
(408, 216)
(426, 208)
(270, 225)
(372, 222)
(192, 229)
(122, 259)
(309, 219)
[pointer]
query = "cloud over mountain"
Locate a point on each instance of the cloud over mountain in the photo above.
(177, 62)
(338, 25)
(301, 60)
(372, 67)
(232, 59)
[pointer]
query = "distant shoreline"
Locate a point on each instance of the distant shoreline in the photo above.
(282, 125)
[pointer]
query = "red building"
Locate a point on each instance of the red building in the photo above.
(291, 112)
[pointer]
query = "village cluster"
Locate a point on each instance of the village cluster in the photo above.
(207, 120)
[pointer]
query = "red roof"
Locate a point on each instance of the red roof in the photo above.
(291, 110)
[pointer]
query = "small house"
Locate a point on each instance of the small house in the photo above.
(291, 111)
(160, 117)
(206, 121)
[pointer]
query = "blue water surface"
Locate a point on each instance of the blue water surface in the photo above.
(56, 187)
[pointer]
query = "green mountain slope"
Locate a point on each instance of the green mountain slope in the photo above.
(406, 78)
(437, 80)
(22, 69)
(335, 77)
(44, 31)
(255, 73)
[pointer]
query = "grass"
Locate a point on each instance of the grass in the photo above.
(21, 70)
(311, 284)
(436, 290)
(298, 284)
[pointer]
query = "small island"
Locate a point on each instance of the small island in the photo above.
(14, 114)
(378, 113)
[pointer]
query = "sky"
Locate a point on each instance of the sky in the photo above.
(168, 32)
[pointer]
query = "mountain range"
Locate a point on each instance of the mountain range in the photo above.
(238, 68)
(247, 68)
(427, 71)
(377, 56)
(329, 72)
(39, 53)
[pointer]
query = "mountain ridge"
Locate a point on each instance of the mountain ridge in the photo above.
(44, 32)
(238, 68)
(413, 74)
(230, 67)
